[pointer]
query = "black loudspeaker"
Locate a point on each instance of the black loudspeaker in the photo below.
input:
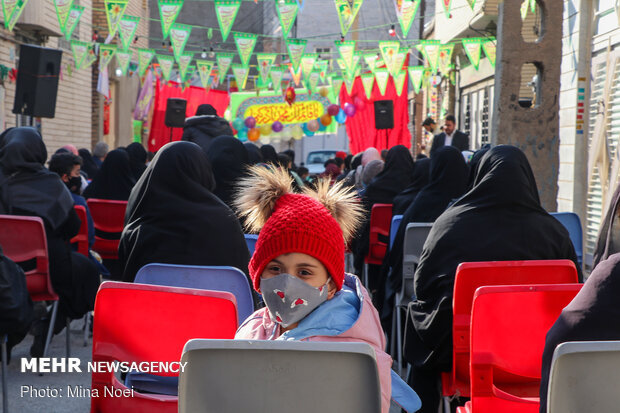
(384, 114)
(37, 81)
(175, 112)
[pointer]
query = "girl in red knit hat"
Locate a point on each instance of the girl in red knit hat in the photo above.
(298, 267)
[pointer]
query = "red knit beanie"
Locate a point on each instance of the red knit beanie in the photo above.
(300, 223)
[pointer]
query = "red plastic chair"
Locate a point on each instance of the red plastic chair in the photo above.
(470, 276)
(108, 216)
(380, 221)
(509, 326)
(81, 239)
(23, 239)
(144, 323)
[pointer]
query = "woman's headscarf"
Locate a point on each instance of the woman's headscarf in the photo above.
(331, 172)
(369, 155)
(269, 154)
(499, 219)
(25, 183)
(88, 164)
(421, 175)
(254, 154)
(396, 175)
(173, 217)
(114, 180)
(137, 159)
(371, 170)
(229, 159)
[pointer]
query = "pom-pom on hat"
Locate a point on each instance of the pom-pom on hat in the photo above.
(317, 222)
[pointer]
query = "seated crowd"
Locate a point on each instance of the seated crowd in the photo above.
(193, 203)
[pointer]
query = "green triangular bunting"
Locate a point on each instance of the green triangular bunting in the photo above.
(490, 49)
(347, 52)
(276, 74)
(287, 12)
(63, 7)
(72, 20)
(241, 75)
(17, 9)
(473, 48)
(245, 46)
(389, 50)
(307, 64)
(144, 60)
(399, 82)
(168, 12)
(368, 81)
(165, 64)
(123, 59)
(127, 27)
(445, 57)
(265, 62)
(337, 85)
(406, 15)
(296, 49)
(204, 70)
(179, 35)
(184, 61)
(416, 74)
(106, 53)
(382, 76)
(114, 10)
(90, 56)
(226, 12)
(224, 60)
(347, 12)
(79, 50)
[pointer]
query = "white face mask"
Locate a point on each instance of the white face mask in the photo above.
(290, 299)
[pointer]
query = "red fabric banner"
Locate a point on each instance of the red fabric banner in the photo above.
(361, 127)
(195, 96)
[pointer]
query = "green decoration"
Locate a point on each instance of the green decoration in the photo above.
(106, 53)
(7, 10)
(265, 62)
(127, 27)
(137, 130)
(389, 50)
(347, 52)
(226, 12)
(204, 70)
(210, 34)
(63, 7)
(322, 66)
(406, 15)
(368, 81)
(190, 72)
(184, 61)
(241, 74)
(371, 60)
(224, 60)
(472, 4)
(349, 81)
(72, 20)
(90, 57)
(179, 35)
(168, 12)
(166, 64)
(123, 59)
(342, 65)
(337, 85)
(17, 9)
(533, 6)
(399, 82)
(245, 46)
(296, 49)
(287, 12)
(347, 12)
(276, 74)
(430, 49)
(473, 48)
(382, 75)
(524, 7)
(399, 60)
(307, 64)
(144, 60)
(445, 56)
(313, 80)
(79, 50)
(416, 74)
(490, 49)
(114, 10)
(447, 7)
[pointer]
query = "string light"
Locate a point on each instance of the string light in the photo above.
(392, 31)
(204, 53)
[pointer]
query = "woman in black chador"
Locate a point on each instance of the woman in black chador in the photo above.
(115, 178)
(173, 216)
(499, 219)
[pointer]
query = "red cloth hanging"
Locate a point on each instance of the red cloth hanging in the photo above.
(195, 96)
(361, 127)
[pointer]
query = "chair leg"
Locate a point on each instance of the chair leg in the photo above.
(68, 337)
(392, 335)
(86, 328)
(5, 393)
(365, 277)
(446, 404)
(399, 339)
(50, 330)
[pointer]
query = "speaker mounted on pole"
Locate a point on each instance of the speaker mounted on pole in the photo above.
(384, 114)
(175, 112)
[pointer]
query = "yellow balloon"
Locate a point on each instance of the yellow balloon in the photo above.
(324, 91)
(297, 132)
(265, 129)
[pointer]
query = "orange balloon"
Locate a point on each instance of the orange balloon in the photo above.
(253, 134)
(326, 120)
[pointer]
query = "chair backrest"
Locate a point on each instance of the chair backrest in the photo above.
(228, 279)
(415, 237)
(230, 376)
(571, 222)
(380, 220)
(81, 239)
(584, 377)
(23, 239)
(509, 326)
(251, 239)
(144, 323)
(396, 220)
(108, 219)
(472, 275)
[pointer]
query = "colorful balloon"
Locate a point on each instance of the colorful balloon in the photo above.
(349, 110)
(324, 91)
(297, 133)
(359, 103)
(341, 117)
(326, 120)
(253, 134)
(250, 122)
(238, 124)
(242, 134)
(277, 126)
(313, 125)
(265, 130)
(333, 110)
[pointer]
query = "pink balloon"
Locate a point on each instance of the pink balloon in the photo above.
(349, 110)
(359, 103)
(333, 110)
(313, 125)
(277, 126)
(250, 122)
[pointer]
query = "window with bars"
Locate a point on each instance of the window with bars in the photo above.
(484, 118)
(467, 115)
(605, 19)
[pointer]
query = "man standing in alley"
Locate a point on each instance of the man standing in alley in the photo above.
(450, 137)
